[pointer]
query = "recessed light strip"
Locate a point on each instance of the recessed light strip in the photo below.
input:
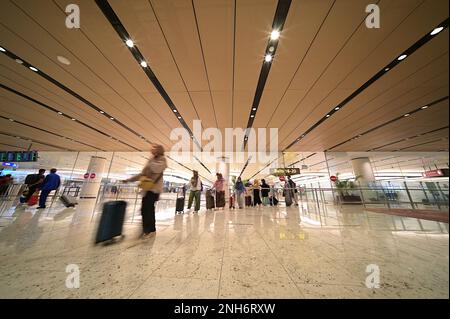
(52, 133)
(424, 107)
(388, 68)
(35, 141)
(271, 48)
(115, 22)
(62, 114)
(74, 94)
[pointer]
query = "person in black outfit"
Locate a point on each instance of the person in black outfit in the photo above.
(294, 190)
(265, 188)
(34, 182)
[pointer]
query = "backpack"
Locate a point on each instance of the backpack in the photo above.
(32, 179)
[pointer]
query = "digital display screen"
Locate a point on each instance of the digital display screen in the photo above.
(27, 156)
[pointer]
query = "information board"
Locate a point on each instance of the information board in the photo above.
(17, 157)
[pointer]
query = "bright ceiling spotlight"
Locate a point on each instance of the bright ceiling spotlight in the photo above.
(274, 35)
(254, 109)
(175, 111)
(130, 43)
(32, 68)
(60, 113)
(436, 30)
(111, 118)
(406, 115)
(102, 112)
(402, 57)
(252, 115)
(73, 119)
(328, 115)
(179, 117)
(144, 64)
(424, 107)
(2, 49)
(386, 69)
(19, 61)
(268, 57)
(337, 108)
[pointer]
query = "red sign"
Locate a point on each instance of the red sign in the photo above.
(86, 175)
(93, 175)
(433, 173)
(282, 178)
(333, 178)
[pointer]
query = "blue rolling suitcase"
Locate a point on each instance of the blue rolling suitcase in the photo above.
(111, 221)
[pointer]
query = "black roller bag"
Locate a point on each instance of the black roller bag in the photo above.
(111, 221)
(68, 201)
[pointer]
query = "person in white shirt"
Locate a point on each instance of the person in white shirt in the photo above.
(195, 191)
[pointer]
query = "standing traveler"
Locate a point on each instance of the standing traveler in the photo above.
(151, 182)
(51, 182)
(256, 197)
(34, 183)
(294, 190)
(240, 191)
(265, 189)
(5, 182)
(195, 191)
(220, 191)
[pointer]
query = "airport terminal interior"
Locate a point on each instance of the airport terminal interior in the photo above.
(310, 135)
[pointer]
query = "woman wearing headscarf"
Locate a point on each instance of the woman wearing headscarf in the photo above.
(220, 191)
(196, 187)
(153, 170)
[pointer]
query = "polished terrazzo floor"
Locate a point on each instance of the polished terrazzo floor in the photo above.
(296, 252)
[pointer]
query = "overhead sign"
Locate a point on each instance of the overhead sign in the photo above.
(285, 171)
(282, 178)
(27, 156)
(86, 175)
(436, 173)
(9, 164)
(93, 175)
(333, 178)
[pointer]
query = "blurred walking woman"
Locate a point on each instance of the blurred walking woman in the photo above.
(256, 197)
(220, 191)
(151, 183)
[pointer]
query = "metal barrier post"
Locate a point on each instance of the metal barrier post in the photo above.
(409, 196)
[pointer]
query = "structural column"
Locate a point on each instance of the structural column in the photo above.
(363, 168)
(93, 177)
(223, 167)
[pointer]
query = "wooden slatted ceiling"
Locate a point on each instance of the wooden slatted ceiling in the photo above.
(325, 53)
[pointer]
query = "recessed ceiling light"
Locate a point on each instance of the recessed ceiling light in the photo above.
(402, 57)
(32, 68)
(144, 64)
(424, 107)
(254, 109)
(337, 108)
(111, 118)
(407, 114)
(179, 117)
(130, 43)
(268, 57)
(73, 119)
(63, 60)
(11, 120)
(271, 49)
(437, 30)
(2, 49)
(274, 35)
(252, 115)
(386, 69)
(19, 61)
(60, 113)
(175, 111)
(328, 115)
(102, 112)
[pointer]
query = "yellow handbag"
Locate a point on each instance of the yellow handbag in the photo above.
(147, 184)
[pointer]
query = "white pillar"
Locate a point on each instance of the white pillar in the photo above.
(363, 168)
(93, 177)
(223, 167)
